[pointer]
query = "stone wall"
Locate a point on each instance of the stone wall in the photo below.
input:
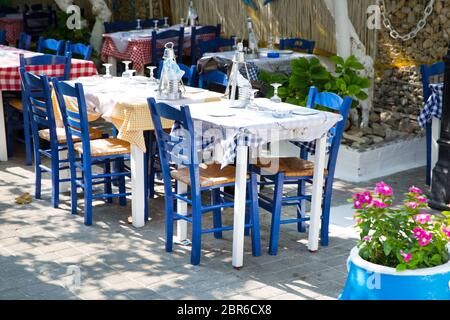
(398, 96)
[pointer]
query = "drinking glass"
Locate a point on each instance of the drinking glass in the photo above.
(182, 22)
(153, 80)
(270, 42)
(275, 97)
(107, 70)
(156, 25)
(166, 22)
(125, 74)
(251, 105)
(138, 27)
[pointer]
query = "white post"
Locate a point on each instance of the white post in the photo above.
(182, 209)
(240, 194)
(343, 42)
(317, 194)
(3, 142)
(138, 186)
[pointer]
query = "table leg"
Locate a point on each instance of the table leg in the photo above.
(138, 186)
(436, 133)
(113, 62)
(317, 194)
(240, 194)
(3, 141)
(182, 209)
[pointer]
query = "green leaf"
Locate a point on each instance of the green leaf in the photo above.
(339, 61)
(301, 64)
(364, 83)
(354, 90)
(387, 248)
(362, 96)
(401, 267)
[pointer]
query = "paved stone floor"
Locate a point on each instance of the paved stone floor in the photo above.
(43, 249)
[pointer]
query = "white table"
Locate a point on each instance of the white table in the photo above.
(304, 128)
(102, 95)
(281, 64)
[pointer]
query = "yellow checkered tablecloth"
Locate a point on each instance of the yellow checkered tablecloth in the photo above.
(132, 120)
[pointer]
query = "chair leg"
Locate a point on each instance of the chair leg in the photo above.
(122, 190)
(152, 175)
(248, 214)
(87, 194)
(301, 208)
(196, 235)
(324, 235)
(55, 178)
(73, 188)
(10, 130)
(276, 214)
(38, 177)
(217, 214)
(27, 137)
(256, 237)
(429, 137)
(169, 223)
(108, 184)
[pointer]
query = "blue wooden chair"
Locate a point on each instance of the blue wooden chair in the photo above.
(435, 70)
(93, 152)
(24, 41)
(150, 23)
(190, 73)
(215, 45)
(198, 32)
(299, 171)
(161, 38)
(297, 44)
(79, 49)
(119, 26)
(182, 152)
(54, 46)
(2, 37)
(212, 77)
(36, 92)
(17, 114)
(35, 23)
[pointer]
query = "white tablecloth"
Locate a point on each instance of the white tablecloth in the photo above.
(281, 64)
(121, 39)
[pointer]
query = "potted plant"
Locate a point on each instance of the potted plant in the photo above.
(403, 253)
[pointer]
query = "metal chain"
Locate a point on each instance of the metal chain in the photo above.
(420, 25)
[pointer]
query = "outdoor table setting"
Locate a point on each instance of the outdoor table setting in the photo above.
(10, 79)
(135, 46)
(12, 23)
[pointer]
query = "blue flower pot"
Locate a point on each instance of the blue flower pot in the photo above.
(368, 281)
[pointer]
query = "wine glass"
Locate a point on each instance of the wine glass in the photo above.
(251, 105)
(155, 22)
(107, 70)
(275, 97)
(125, 74)
(270, 43)
(153, 80)
(166, 22)
(138, 27)
(182, 22)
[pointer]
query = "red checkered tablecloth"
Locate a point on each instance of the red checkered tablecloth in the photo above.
(139, 50)
(9, 68)
(13, 25)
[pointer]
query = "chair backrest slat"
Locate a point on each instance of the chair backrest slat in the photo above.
(159, 39)
(213, 77)
(178, 147)
(47, 60)
(24, 41)
(55, 46)
(298, 44)
(85, 51)
(198, 32)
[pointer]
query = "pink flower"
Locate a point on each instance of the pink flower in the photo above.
(422, 199)
(412, 205)
(384, 189)
(358, 204)
(406, 256)
(446, 230)
(366, 197)
(422, 218)
(415, 190)
(426, 240)
(380, 204)
(367, 238)
(419, 233)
